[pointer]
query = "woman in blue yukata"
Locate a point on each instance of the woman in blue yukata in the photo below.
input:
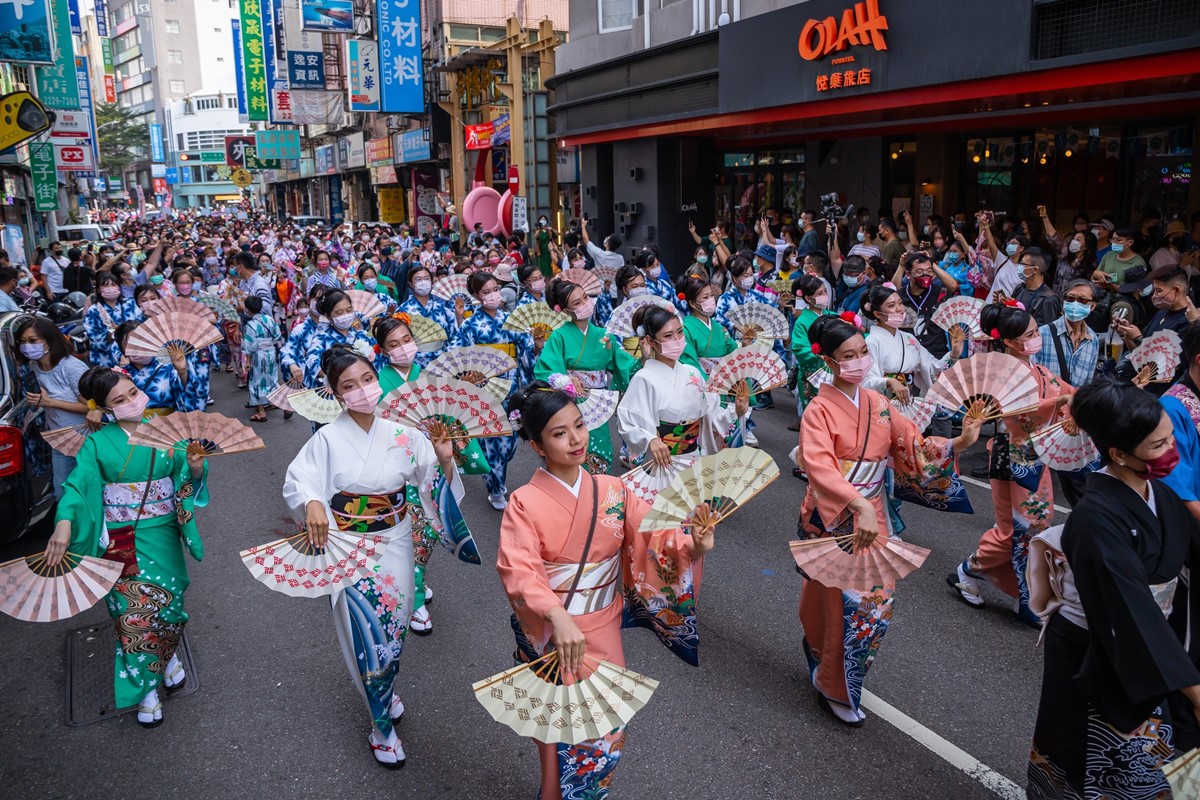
(171, 386)
(486, 327)
(342, 328)
(422, 303)
(108, 310)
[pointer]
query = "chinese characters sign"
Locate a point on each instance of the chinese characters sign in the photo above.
(305, 70)
(241, 151)
(363, 57)
(58, 85)
(402, 74)
(843, 79)
(254, 66)
(277, 144)
(331, 16)
(45, 179)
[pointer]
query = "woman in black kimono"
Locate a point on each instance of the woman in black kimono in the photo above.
(1103, 728)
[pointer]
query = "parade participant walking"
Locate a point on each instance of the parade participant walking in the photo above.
(108, 310)
(848, 436)
(342, 328)
(358, 461)
(421, 302)
(169, 387)
(707, 340)
(261, 340)
(814, 292)
(135, 505)
(564, 582)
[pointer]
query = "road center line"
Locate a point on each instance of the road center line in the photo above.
(988, 486)
(954, 755)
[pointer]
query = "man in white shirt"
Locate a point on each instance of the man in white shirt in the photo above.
(608, 257)
(52, 271)
(8, 289)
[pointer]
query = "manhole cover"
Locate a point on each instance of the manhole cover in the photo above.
(90, 675)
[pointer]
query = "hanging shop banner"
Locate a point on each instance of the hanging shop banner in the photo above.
(489, 134)
(273, 10)
(329, 16)
(313, 107)
(254, 65)
(75, 156)
(156, 143)
(362, 56)
(277, 144)
(82, 75)
(305, 70)
(337, 211)
(36, 46)
(411, 147)
(106, 55)
(242, 151)
(391, 205)
(45, 179)
(323, 160)
(238, 73)
(72, 15)
(403, 89)
(101, 8)
(58, 86)
(379, 151)
(110, 89)
(425, 204)
(384, 175)
(271, 64)
(352, 151)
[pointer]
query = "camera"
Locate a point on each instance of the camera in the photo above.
(832, 206)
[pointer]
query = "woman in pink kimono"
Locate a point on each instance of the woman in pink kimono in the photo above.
(570, 558)
(849, 436)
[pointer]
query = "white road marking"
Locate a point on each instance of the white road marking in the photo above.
(954, 755)
(988, 486)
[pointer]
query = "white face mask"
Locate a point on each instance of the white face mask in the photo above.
(1075, 246)
(636, 291)
(343, 321)
(422, 287)
(746, 283)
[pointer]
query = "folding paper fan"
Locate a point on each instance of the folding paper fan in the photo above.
(205, 434)
(429, 335)
(1183, 774)
(758, 320)
(34, 592)
(451, 285)
(1158, 356)
(583, 278)
(536, 319)
(597, 406)
(316, 405)
(280, 396)
(296, 568)
(820, 376)
(225, 310)
(477, 364)
(169, 334)
(725, 481)
(648, 479)
(606, 275)
(962, 311)
(828, 561)
(1003, 384)
(66, 440)
(462, 409)
(366, 303)
(1065, 447)
(781, 287)
(530, 700)
(756, 364)
(181, 305)
(621, 322)
(919, 410)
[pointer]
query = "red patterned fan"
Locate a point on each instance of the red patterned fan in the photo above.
(920, 410)
(450, 286)
(962, 311)
(756, 366)
(170, 334)
(606, 275)
(1065, 447)
(583, 278)
(203, 433)
(477, 364)
(1003, 385)
(1158, 356)
(367, 304)
(180, 305)
(648, 479)
(34, 592)
(758, 321)
(436, 404)
(296, 568)
(828, 561)
(66, 440)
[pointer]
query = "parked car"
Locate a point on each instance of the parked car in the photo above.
(26, 478)
(71, 235)
(305, 220)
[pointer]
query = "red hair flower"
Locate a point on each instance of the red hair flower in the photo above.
(377, 350)
(847, 316)
(1013, 303)
(681, 296)
(994, 333)
(816, 348)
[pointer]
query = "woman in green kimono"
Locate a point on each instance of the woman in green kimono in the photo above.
(815, 294)
(707, 340)
(135, 505)
(397, 343)
(592, 359)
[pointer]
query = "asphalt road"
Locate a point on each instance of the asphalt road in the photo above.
(277, 715)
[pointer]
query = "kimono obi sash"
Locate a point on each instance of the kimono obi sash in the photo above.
(680, 437)
(597, 586)
(159, 412)
(591, 379)
(867, 477)
(505, 347)
(368, 513)
(1164, 595)
(709, 364)
(903, 377)
(1062, 581)
(122, 500)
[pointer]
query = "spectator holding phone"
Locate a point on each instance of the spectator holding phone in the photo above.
(1120, 259)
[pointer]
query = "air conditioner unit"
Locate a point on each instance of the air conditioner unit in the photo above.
(443, 151)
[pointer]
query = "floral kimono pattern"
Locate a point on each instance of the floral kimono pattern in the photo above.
(99, 321)
(440, 312)
(325, 337)
(260, 337)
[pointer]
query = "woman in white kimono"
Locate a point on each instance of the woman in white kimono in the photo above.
(666, 412)
(353, 475)
(901, 362)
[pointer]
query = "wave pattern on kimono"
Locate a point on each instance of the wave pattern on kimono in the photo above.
(440, 312)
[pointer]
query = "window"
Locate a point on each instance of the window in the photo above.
(216, 30)
(171, 25)
(174, 56)
(616, 15)
(177, 87)
(231, 102)
(220, 60)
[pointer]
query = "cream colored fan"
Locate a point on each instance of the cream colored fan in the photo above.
(34, 592)
(170, 334)
(452, 286)
(367, 304)
(436, 404)
(606, 275)
(530, 700)
(583, 278)
(828, 560)
(1183, 774)
(536, 319)
(477, 364)
(66, 440)
(296, 568)
(1003, 385)
(723, 481)
(621, 322)
(428, 334)
(648, 479)
(758, 321)
(756, 365)
(182, 305)
(201, 433)
(597, 406)
(316, 405)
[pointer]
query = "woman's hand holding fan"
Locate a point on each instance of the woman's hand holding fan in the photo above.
(443, 444)
(702, 528)
(866, 523)
(316, 523)
(741, 398)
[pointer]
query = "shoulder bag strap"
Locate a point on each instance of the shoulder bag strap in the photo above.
(146, 493)
(1062, 358)
(587, 546)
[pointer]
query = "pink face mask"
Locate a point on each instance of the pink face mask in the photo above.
(672, 349)
(896, 320)
(490, 301)
(110, 292)
(364, 398)
(140, 361)
(855, 370)
(708, 307)
(403, 355)
(1031, 347)
(184, 289)
(586, 310)
(132, 410)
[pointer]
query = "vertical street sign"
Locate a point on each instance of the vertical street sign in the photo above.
(403, 90)
(58, 85)
(254, 65)
(45, 178)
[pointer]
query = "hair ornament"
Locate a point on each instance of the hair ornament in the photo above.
(994, 333)
(889, 285)
(558, 308)
(852, 318)
(91, 404)
(640, 331)
(403, 316)
(1013, 303)
(562, 383)
(681, 296)
(514, 418)
(816, 348)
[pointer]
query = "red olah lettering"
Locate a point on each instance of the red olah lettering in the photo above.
(861, 25)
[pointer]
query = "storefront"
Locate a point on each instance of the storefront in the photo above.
(938, 106)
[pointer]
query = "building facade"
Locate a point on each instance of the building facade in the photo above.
(709, 111)
(194, 132)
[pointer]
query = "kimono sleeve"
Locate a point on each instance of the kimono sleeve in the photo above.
(833, 492)
(622, 366)
(875, 380)
(82, 500)
(551, 360)
(637, 417)
(190, 494)
(1185, 478)
(519, 562)
(441, 496)
(806, 360)
(308, 478)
